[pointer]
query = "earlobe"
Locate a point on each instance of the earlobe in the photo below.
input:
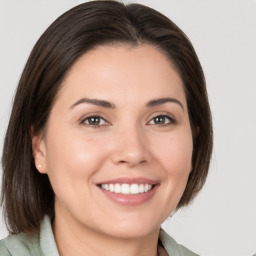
(39, 153)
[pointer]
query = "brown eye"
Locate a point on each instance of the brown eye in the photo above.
(94, 121)
(162, 120)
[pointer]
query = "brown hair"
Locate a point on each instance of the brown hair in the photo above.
(26, 194)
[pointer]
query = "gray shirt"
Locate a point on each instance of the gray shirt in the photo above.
(44, 244)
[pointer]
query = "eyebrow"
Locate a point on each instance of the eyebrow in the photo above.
(96, 102)
(107, 104)
(161, 101)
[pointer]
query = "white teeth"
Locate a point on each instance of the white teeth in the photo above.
(127, 189)
(134, 189)
(117, 188)
(141, 188)
(111, 188)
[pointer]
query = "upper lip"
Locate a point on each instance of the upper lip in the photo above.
(126, 180)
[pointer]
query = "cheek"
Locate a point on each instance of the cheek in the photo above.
(72, 162)
(73, 157)
(175, 153)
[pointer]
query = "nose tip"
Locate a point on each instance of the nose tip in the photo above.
(130, 159)
(131, 150)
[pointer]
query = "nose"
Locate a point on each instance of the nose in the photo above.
(130, 147)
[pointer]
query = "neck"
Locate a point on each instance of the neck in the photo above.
(76, 239)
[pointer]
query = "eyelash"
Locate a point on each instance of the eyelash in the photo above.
(170, 118)
(83, 121)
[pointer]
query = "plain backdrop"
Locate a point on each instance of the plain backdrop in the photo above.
(222, 219)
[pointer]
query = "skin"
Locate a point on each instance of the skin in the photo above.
(128, 142)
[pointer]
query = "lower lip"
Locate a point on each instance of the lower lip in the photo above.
(130, 200)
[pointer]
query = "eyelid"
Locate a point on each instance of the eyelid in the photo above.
(82, 120)
(164, 114)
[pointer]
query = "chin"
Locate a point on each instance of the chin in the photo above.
(133, 233)
(132, 228)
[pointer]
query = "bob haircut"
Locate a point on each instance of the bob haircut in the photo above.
(26, 194)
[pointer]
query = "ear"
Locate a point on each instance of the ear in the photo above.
(39, 152)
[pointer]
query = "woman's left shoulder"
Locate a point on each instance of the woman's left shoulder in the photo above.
(172, 247)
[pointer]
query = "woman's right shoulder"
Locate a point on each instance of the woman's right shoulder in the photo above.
(3, 248)
(20, 245)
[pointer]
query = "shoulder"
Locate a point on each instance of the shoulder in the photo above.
(20, 245)
(3, 248)
(172, 247)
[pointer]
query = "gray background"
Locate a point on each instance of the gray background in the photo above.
(222, 220)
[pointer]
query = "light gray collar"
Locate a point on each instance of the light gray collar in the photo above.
(46, 238)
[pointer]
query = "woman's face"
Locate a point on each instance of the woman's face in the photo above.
(118, 144)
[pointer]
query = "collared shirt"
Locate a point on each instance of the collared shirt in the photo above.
(44, 244)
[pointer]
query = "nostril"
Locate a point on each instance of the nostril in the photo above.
(131, 156)
(132, 162)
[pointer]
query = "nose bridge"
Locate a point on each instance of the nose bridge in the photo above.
(130, 145)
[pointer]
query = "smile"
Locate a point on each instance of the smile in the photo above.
(127, 189)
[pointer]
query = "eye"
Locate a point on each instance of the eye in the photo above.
(162, 120)
(95, 121)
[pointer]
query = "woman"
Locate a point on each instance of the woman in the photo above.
(110, 133)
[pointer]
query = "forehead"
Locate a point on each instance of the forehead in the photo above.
(123, 69)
